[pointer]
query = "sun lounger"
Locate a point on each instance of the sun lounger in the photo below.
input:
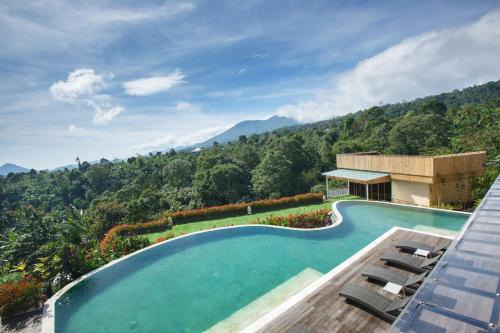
(382, 306)
(409, 283)
(412, 246)
(413, 263)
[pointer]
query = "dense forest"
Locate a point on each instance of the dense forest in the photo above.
(51, 222)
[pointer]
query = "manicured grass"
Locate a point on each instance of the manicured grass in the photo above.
(187, 228)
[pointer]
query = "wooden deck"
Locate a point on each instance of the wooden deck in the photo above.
(325, 311)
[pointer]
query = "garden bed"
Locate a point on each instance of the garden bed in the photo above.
(182, 217)
(312, 220)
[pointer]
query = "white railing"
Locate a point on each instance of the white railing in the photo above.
(337, 192)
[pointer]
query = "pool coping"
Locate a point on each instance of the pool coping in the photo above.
(48, 316)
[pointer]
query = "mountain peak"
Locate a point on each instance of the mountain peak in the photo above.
(9, 167)
(249, 127)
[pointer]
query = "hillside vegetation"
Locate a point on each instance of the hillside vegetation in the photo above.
(51, 222)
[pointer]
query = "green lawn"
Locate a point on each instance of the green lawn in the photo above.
(187, 228)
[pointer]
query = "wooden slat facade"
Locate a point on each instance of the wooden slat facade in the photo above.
(421, 169)
(464, 164)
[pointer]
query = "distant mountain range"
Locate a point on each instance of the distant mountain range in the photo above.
(9, 167)
(68, 166)
(248, 127)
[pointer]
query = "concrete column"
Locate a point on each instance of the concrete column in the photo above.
(367, 192)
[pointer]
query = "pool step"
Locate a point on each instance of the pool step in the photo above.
(437, 231)
(262, 305)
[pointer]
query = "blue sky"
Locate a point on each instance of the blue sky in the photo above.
(115, 79)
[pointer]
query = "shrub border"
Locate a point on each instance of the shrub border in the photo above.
(193, 215)
(290, 218)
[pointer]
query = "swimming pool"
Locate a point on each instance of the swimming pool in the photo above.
(190, 284)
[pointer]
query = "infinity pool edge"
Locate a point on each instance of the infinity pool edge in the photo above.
(48, 317)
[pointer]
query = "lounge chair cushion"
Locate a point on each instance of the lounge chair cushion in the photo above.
(365, 296)
(384, 275)
(412, 245)
(413, 262)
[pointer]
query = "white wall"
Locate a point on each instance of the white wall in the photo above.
(410, 193)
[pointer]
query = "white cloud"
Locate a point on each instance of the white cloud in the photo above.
(242, 71)
(172, 140)
(260, 55)
(166, 10)
(232, 93)
(81, 83)
(72, 128)
(82, 88)
(105, 117)
(185, 106)
(73, 26)
(153, 85)
(75, 130)
(427, 64)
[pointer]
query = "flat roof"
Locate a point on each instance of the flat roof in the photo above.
(357, 175)
(462, 293)
(376, 153)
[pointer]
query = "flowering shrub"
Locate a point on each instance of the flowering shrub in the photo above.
(168, 235)
(120, 246)
(17, 297)
(205, 213)
(311, 220)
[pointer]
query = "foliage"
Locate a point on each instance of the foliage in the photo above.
(274, 176)
(115, 233)
(311, 220)
(482, 184)
(106, 215)
(10, 277)
(452, 206)
(319, 188)
(17, 297)
(121, 246)
(166, 236)
(419, 134)
(204, 214)
(178, 173)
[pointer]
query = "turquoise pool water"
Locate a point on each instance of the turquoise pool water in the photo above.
(192, 283)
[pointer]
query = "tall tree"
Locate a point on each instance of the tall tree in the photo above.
(274, 176)
(419, 134)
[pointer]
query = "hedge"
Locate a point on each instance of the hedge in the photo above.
(199, 214)
(318, 219)
(19, 296)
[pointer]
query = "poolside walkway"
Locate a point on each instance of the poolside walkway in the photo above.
(325, 311)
